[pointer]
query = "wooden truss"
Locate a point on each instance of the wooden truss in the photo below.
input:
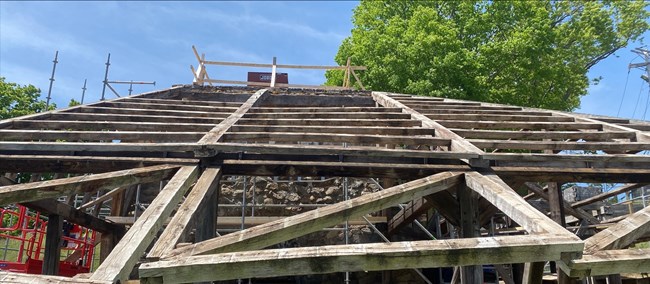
(468, 160)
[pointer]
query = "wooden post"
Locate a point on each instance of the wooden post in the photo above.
(273, 72)
(52, 245)
(533, 272)
(468, 200)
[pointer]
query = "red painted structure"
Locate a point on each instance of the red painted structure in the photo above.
(265, 77)
(27, 229)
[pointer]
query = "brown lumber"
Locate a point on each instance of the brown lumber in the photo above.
(518, 125)
(609, 262)
(576, 212)
(196, 199)
(24, 278)
(331, 121)
(67, 186)
(329, 115)
(358, 257)
(291, 227)
(360, 130)
(332, 137)
(498, 117)
(605, 195)
(69, 213)
(563, 135)
(560, 145)
(120, 262)
(81, 164)
(25, 134)
(622, 234)
(110, 125)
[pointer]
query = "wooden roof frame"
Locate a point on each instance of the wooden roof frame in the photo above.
(192, 135)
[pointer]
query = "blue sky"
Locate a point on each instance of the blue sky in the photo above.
(151, 41)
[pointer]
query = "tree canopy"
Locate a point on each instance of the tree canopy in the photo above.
(16, 100)
(528, 53)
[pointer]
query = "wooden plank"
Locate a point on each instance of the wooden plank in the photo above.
(498, 117)
(621, 189)
(533, 272)
(519, 125)
(142, 111)
(525, 157)
(412, 210)
(40, 135)
(132, 118)
(101, 199)
(560, 145)
(24, 278)
(120, 262)
(217, 132)
(358, 257)
(291, 227)
(513, 205)
(94, 146)
(110, 125)
(266, 110)
(622, 234)
(262, 65)
(360, 130)
(52, 252)
(185, 101)
(230, 221)
(297, 149)
(328, 115)
(332, 122)
(609, 262)
(158, 106)
(197, 198)
(74, 185)
(69, 213)
(577, 212)
(484, 111)
(563, 135)
(336, 138)
(81, 164)
(469, 228)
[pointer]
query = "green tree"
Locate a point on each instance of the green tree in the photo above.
(16, 100)
(528, 53)
(73, 102)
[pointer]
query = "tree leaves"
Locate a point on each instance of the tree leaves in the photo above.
(528, 53)
(16, 100)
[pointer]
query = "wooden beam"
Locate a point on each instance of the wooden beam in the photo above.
(217, 132)
(122, 259)
(529, 135)
(609, 262)
(499, 117)
(621, 189)
(410, 212)
(361, 130)
(335, 138)
(94, 146)
(124, 136)
(67, 186)
(81, 164)
(206, 185)
(560, 145)
(328, 115)
(298, 225)
(332, 121)
(469, 228)
(69, 213)
(576, 212)
(358, 257)
(110, 125)
(513, 205)
(258, 110)
(52, 252)
(24, 278)
(533, 272)
(622, 234)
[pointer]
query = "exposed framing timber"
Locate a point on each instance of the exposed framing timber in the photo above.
(205, 187)
(359, 257)
(609, 262)
(298, 225)
(622, 234)
(66, 186)
(122, 259)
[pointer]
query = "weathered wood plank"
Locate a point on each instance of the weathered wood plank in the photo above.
(157, 106)
(40, 135)
(109, 125)
(519, 125)
(563, 135)
(216, 133)
(229, 105)
(23, 278)
(94, 146)
(332, 137)
(297, 149)
(622, 234)
(142, 111)
(257, 110)
(75, 116)
(361, 130)
(560, 145)
(513, 205)
(410, 212)
(498, 117)
(621, 189)
(332, 122)
(126, 253)
(291, 227)
(609, 262)
(66, 186)
(359, 257)
(328, 115)
(197, 198)
(577, 212)
(69, 213)
(81, 164)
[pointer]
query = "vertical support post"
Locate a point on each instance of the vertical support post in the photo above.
(273, 72)
(130, 88)
(83, 91)
(49, 90)
(346, 83)
(52, 245)
(533, 272)
(108, 63)
(468, 200)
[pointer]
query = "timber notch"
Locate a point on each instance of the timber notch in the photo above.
(454, 167)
